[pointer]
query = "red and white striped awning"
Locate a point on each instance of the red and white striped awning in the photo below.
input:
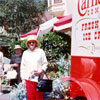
(55, 24)
(63, 23)
(47, 26)
(33, 32)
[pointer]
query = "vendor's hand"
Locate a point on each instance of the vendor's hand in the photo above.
(14, 65)
(37, 73)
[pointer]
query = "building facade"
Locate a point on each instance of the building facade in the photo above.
(60, 7)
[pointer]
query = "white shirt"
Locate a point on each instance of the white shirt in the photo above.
(33, 60)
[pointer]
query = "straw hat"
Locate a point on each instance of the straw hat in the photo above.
(17, 47)
(32, 38)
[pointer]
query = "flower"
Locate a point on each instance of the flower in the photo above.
(63, 66)
(18, 92)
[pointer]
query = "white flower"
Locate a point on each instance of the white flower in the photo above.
(18, 92)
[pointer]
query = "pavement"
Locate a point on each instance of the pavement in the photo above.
(5, 95)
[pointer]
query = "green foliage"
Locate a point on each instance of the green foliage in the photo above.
(55, 45)
(63, 66)
(23, 46)
(3, 81)
(21, 16)
(12, 45)
(11, 48)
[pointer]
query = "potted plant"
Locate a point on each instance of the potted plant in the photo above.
(57, 49)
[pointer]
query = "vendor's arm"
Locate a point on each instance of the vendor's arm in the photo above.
(14, 65)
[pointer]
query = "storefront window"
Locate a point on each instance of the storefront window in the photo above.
(57, 1)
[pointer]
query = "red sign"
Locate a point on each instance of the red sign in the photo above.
(88, 7)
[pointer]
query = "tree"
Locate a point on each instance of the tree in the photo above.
(55, 45)
(21, 16)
